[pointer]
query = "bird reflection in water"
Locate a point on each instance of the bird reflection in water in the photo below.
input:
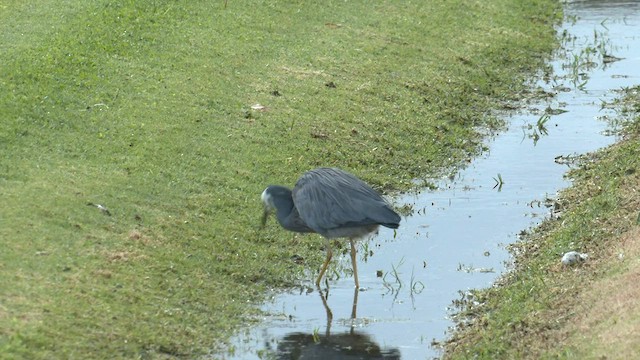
(346, 345)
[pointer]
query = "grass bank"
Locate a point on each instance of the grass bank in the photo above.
(545, 310)
(149, 109)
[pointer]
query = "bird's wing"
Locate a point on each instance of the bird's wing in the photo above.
(328, 198)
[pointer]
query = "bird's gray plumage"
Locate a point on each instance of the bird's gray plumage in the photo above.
(335, 203)
(330, 202)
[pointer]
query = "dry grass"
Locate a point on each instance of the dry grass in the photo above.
(606, 323)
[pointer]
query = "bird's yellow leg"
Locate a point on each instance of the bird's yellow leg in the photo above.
(354, 308)
(353, 262)
(326, 263)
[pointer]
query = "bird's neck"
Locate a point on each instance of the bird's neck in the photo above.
(284, 208)
(284, 212)
(287, 214)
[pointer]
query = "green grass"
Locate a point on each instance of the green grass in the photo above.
(145, 107)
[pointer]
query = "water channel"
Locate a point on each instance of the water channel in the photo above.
(456, 237)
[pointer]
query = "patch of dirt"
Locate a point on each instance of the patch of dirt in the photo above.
(123, 256)
(603, 309)
(606, 323)
(141, 237)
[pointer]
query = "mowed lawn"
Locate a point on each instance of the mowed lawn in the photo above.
(174, 116)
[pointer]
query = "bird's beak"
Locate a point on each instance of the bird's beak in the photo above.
(265, 215)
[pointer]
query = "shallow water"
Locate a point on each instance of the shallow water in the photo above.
(455, 239)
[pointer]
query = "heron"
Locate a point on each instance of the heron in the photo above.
(332, 203)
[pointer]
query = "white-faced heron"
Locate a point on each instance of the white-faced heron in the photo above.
(332, 203)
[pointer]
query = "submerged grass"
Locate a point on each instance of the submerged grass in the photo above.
(147, 108)
(545, 310)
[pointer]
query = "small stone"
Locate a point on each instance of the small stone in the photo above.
(573, 257)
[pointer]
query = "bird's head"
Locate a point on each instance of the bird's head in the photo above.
(267, 202)
(276, 198)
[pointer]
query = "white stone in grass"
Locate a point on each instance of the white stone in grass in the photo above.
(573, 257)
